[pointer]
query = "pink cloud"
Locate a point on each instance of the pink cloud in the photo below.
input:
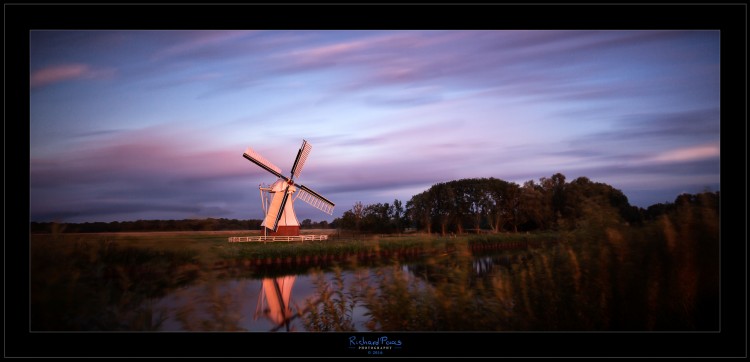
(350, 50)
(147, 158)
(689, 154)
(57, 73)
(333, 50)
(200, 40)
(60, 73)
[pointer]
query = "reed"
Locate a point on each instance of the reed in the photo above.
(333, 309)
(608, 277)
(78, 285)
(600, 276)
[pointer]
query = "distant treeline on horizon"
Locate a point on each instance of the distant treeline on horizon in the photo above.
(208, 224)
(455, 206)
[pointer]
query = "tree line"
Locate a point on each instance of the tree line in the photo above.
(460, 206)
(493, 205)
(209, 224)
(498, 205)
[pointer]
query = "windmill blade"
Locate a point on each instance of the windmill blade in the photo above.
(316, 200)
(259, 160)
(284, 198)
(302, 154)
(275, 210)
(281, 208)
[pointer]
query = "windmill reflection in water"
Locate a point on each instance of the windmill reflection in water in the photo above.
(274, 299)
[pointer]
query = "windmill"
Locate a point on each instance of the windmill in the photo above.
(280, 219)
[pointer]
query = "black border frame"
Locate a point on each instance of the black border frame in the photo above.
(730, 19)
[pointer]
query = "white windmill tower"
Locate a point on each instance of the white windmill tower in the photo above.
(280, 219)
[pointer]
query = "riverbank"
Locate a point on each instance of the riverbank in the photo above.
(210, 247)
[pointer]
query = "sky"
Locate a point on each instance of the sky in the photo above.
(129, 125)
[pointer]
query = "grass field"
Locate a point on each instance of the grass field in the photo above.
(212, 246)
(204, 243)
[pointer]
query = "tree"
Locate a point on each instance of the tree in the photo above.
(357, 211)
(588, 200)
(376, 218)
(531, 207)
(397, 212)
(505, 197)
(420, 209)
(444, 204)
(348, 221)
(463, 202)
(554, 192)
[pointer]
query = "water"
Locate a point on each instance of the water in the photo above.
(627, 282)
(245, 304)
(275, 303)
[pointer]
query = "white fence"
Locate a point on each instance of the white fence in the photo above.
(264, 239)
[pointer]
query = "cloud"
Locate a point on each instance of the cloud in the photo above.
(326, 53)
(106, 210)
(153, 153)
(139, 172)
(365, 49)
(65, 72)
(438, 106)
(688, 154)
(536, 61)
(408, 97)
(383, 58)
(199, 44)
(541, 65)
(58, 74)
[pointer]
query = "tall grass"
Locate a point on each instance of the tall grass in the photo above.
(79, 285)
(661, 277)
(599, 276)
(333, 310)
(212, 308)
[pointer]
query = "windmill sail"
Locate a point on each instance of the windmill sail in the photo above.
(259, 160)
(302, 154)
(275, 210)
(281, 209)
(313, 198)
